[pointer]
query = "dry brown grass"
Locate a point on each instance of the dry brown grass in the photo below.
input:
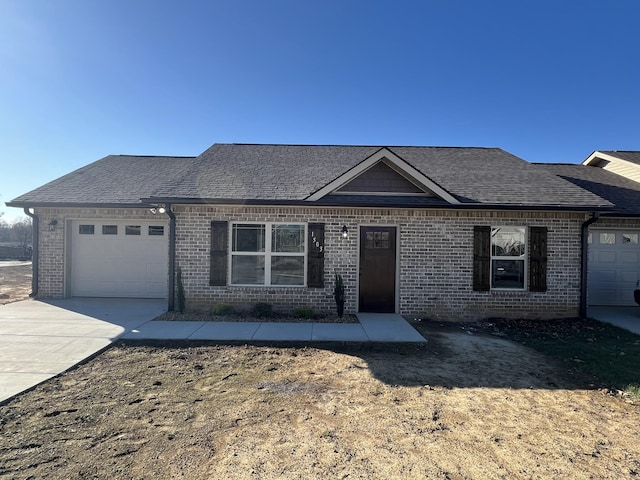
(467, 406)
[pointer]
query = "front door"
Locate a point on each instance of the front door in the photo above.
(377, 269)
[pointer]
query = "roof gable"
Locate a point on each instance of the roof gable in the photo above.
(381, 179)
(403, 178)
(626, 164)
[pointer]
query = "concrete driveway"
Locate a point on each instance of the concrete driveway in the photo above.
(623, 317)
(41, 339)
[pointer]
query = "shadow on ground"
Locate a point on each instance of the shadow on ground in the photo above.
(454, 357)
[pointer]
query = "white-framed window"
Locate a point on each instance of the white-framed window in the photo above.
(508, 258)
(269, 254)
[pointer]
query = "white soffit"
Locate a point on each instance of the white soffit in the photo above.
(595, 156)
(394, 162)
(619, 166)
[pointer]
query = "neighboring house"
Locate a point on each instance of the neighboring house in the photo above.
(448, 233)
(614, 239)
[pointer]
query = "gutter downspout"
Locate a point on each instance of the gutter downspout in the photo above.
(35, 255)
(585, 257)
(172, 256)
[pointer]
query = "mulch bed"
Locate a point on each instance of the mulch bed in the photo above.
(247, 317)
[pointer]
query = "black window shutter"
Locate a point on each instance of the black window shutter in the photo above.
(481, 259)
(219, 252)
(315, 256)
(538, 259)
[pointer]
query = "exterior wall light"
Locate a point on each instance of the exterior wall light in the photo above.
(155, 210)
(345, 231)
(52, 225)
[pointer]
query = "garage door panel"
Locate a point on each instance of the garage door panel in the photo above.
(603, 296)
(117, 264)
(628, 277)
(614, 265)
(132, 288)
(606, 257)
(629, 257)
(155, 272)
(604, 276)
(155, 288)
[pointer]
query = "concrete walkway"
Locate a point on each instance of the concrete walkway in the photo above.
(373, 327)
(41, 339)
(623, 317)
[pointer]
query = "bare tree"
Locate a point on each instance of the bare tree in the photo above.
(22, 231)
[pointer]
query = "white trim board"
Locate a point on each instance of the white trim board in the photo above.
(394, 162)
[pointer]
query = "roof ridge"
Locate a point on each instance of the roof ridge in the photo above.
(558, 163)
(151, 156)
(353, 145)
(619, 151)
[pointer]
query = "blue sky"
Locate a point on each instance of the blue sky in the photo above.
(549, 81)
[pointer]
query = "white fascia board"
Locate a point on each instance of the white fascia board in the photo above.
(595, 156)
(397, 164)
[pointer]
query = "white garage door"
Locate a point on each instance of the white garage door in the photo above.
(614, 266)
(116, 258)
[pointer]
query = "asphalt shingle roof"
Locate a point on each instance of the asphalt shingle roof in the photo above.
(114, 179)
(622, 192)
(291, 173)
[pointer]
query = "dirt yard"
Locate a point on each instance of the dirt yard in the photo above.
(15, 281)
(466, 406)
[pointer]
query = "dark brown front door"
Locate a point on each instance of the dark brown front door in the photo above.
(377, 269)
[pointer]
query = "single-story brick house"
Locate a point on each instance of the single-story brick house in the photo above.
(450, 233)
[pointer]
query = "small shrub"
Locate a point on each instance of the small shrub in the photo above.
(223, 309)
(633, 390)
(181, 296)
(338, 294)
(304, 312)
(262, 310)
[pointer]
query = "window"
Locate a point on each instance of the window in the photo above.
(376, 240)
(86, 229)
(508, 257)
(156, 230)
(607, 239)
(109, 229)
(267, 254)
(630, 238)
(132, 230)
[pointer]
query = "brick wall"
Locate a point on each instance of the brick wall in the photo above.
(435, 263)
(619, 223)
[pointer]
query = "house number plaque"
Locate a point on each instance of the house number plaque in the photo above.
(316, 243)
